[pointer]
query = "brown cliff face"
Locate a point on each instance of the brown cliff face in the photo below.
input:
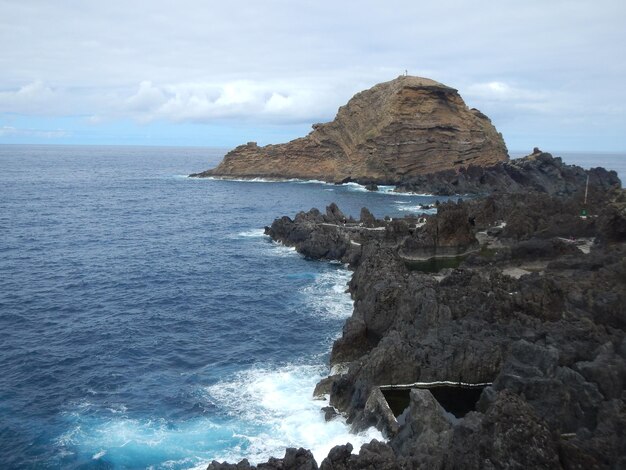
(405, 127)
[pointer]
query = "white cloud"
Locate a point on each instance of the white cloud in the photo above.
(512, 99)
(35, 90)
(240, 99)
(41, 99)
(27, 98)
(279, 103)
(9, 131)
(280, 61)
(147, 98)
(505, 92)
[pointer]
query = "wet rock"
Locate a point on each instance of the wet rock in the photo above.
(330, 413)
(300, 459)
(323, 387)
(243, 465)
(296, 459)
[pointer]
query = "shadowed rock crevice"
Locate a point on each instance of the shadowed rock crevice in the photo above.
(455, 399)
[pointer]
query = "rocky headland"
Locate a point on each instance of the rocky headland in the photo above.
(394, 131)
(490, 335)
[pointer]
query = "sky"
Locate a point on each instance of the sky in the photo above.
(549, 73)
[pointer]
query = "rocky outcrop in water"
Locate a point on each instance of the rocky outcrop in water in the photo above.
(531, 313)
(394, 131)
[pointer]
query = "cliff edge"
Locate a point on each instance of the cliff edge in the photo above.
(396, 130)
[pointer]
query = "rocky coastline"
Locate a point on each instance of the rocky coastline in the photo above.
(510, 354)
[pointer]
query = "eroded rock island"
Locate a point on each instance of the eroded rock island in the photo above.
(394, 131)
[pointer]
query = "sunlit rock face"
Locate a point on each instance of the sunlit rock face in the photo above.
(395, 130)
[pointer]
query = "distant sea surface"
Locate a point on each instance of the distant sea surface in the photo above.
(146, 321)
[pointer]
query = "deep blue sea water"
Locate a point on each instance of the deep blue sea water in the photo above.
(146, 322)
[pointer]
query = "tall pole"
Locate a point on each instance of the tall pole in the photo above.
(586, 189)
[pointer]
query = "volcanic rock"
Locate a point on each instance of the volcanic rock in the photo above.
(395, 130)
(508, 435)
(426, 434)
(537, 172)
(300, 459)
(375, 455)
(551, 342)
(545, 348)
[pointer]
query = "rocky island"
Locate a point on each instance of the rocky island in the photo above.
(490, 335)
(388, 134)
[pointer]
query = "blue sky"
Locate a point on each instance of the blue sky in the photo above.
(206, 73)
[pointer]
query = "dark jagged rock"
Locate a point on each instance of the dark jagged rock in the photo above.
(613, 220)
(378, 413)
(604, 447)
(425, 437)
(329, 413)
(295, 459)
(537, 172)
(375, 455)
(509, 435)
(528, 311)
(532, 310)
(366, 218)
(337, 458)
(394, 130)
(562, 396)
(243, 465)
(450, 233)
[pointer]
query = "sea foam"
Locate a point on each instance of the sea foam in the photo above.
(127, 442)
(327, 296)
(254, 233)
(417, 209)
(276, 410)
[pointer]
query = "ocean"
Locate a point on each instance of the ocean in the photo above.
(147, 322)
